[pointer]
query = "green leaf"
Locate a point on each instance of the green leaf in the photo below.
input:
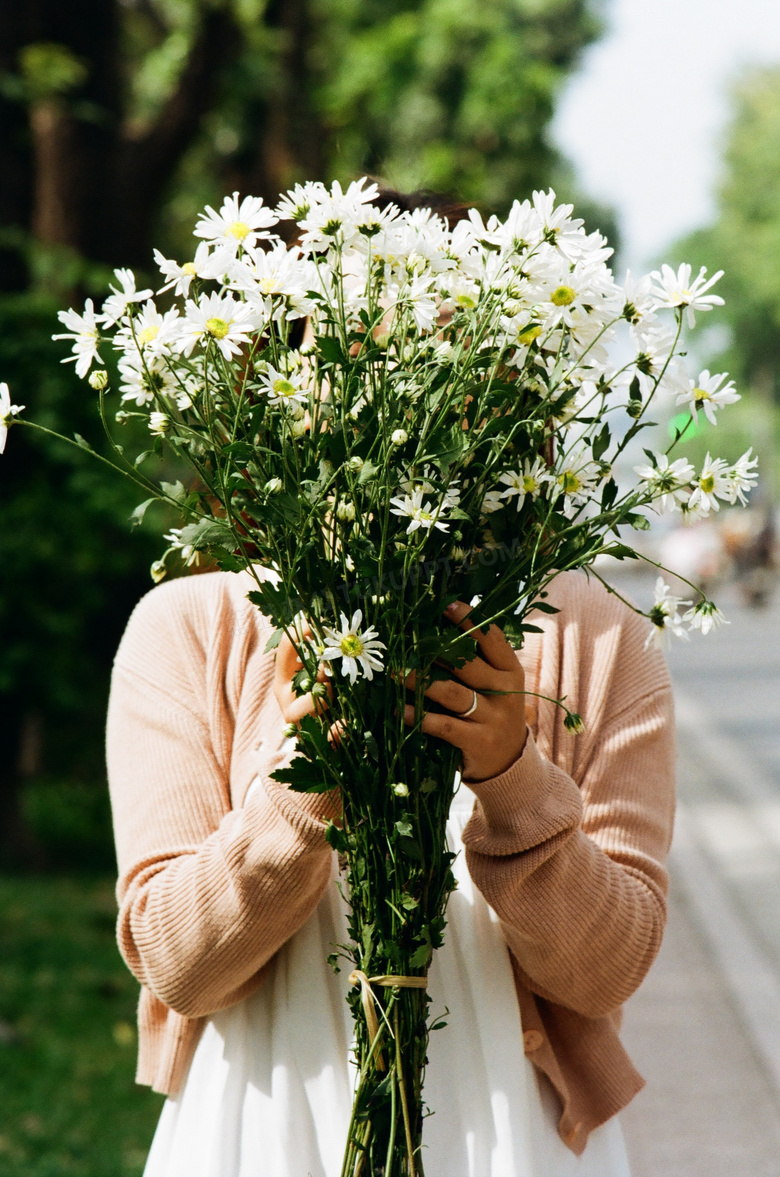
(367, 471)
(273, 641)
(544, 607)
(638, 522)
(403, 829)
(174, 490)
(207, 532)
(82, 441)
(420, 958)
(137, 516)
(336, 838)
(303, 777)
(620, 552)
(601, 443)
(371, 745)
(330, 349)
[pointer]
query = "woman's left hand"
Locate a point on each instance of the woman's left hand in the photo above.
(493, 735)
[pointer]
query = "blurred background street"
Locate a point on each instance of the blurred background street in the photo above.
(120, 120)
(704, 1029)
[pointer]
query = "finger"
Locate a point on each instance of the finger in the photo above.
(288, 660)
(450, 694)
(296, 706)
(458, 732)
(336, 732)
(493, 646)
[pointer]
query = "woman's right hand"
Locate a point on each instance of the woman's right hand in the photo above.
(315, 701)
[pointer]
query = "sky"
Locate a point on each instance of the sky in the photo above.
(643, 118)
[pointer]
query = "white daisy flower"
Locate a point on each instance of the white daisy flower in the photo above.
(492, 500)
(531, 480)
(281, 389)
(677, 290)
(357, 650)
(278, 278)
(711, 485)
(218, 318)
(705, 616)
(419, 512)
(576, 479)
(741, 477)
(189, 554)
(237, 223)
(84, 330)
(665, 615)
(115, 306)
(638, 294)
(706, 393)
(7, 413)
(141, 379)
(668, 481)
(203, 265)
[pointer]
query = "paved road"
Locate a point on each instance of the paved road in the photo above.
(704, 1029)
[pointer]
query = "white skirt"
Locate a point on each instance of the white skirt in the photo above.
(269, 1089)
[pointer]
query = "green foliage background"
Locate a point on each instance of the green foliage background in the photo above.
(455, 95)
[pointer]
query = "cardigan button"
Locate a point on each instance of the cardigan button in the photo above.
(532, 1040)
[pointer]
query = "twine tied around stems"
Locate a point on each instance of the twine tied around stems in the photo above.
(358, 977)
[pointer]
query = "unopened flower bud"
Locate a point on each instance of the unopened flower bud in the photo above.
(298, 428)
(319, 691)
(98, 379)
(273, 486)
(121, 417)
(574, 723)
(399, 437)
(290, 730)
(345, 512)
(400, 789)
(355, 463)
(159, 423)
(157, 571)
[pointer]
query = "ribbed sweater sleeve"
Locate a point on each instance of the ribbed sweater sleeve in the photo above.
(207, 893)
(572, 862)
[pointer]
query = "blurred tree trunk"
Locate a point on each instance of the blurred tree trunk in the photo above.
(289, 142)
(15, 167)
(95, 182)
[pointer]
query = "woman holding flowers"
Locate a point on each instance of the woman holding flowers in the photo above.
(284, 779)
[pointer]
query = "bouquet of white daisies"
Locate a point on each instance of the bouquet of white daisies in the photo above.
(388, 415)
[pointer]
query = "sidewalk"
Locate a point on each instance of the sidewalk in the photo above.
(704, 1029)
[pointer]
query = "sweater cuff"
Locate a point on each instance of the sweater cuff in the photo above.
(529, 803)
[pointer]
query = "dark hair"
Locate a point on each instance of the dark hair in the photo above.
(443, 204)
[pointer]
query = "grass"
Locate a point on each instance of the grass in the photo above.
(68, 1103)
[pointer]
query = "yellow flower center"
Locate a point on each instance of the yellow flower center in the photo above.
(239, 230)
(269, 285)
(701, 394)
(529, 335)
(529, 484)
(351, 646)
(564, 296)
(148, 334)
(217, 327)
(569, 482)
(189, 268)
(466, 301)
(707, 484)
(284, 387)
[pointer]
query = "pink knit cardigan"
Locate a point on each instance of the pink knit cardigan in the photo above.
(567, 845)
